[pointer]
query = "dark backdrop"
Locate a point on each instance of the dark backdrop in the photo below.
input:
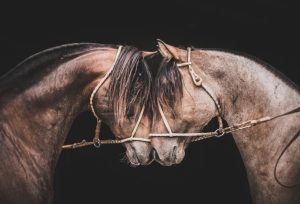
(212, 171)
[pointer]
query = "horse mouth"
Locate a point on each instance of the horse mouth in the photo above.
(161, 162)
(136, 161)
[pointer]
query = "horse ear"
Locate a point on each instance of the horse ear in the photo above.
(166, 50)
(147, 53)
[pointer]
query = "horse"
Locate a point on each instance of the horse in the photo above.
(41, 97)
(260, 105)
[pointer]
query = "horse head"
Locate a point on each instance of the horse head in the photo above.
(181, 106)
(121, 104)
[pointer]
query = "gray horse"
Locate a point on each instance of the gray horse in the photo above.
(236, 88)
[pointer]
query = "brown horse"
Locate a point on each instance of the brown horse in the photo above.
(237, 88)
(42, 96)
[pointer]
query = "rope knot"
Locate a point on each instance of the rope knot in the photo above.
(220, 132)
(97, 142)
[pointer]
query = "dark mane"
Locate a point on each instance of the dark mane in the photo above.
(167, 87)
(130, 83)
(21, 75)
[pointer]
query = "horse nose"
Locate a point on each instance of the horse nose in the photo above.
(141, 152)
(166, 146)
(165, 156)
(154, 154)
(174, 153)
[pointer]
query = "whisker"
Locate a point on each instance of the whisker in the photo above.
(124, 158)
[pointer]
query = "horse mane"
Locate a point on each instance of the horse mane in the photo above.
(167, 87)
(45, 60)
(130, 85)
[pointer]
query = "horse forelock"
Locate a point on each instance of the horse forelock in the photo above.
(130, 84)
(167, 87)
(135, 84)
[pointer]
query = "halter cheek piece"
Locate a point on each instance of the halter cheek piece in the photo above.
(196, 136)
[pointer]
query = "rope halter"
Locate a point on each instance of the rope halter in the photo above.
(221, 130)
(97, 141)
(197, 80)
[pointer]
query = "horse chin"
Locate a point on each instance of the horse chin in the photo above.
(168, 151)
(164, 163)
(136, 161)
(167, 161)
(138, 154)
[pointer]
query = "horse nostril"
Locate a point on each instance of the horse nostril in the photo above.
(155, 154)
(133, 147)
(173, 154)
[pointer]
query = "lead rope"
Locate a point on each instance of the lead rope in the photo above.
(230, 129)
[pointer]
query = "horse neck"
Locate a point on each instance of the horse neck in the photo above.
(36, 120)
(248, 90)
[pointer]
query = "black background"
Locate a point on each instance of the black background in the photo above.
(212, 171)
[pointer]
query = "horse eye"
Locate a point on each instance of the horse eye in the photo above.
(130, 114)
